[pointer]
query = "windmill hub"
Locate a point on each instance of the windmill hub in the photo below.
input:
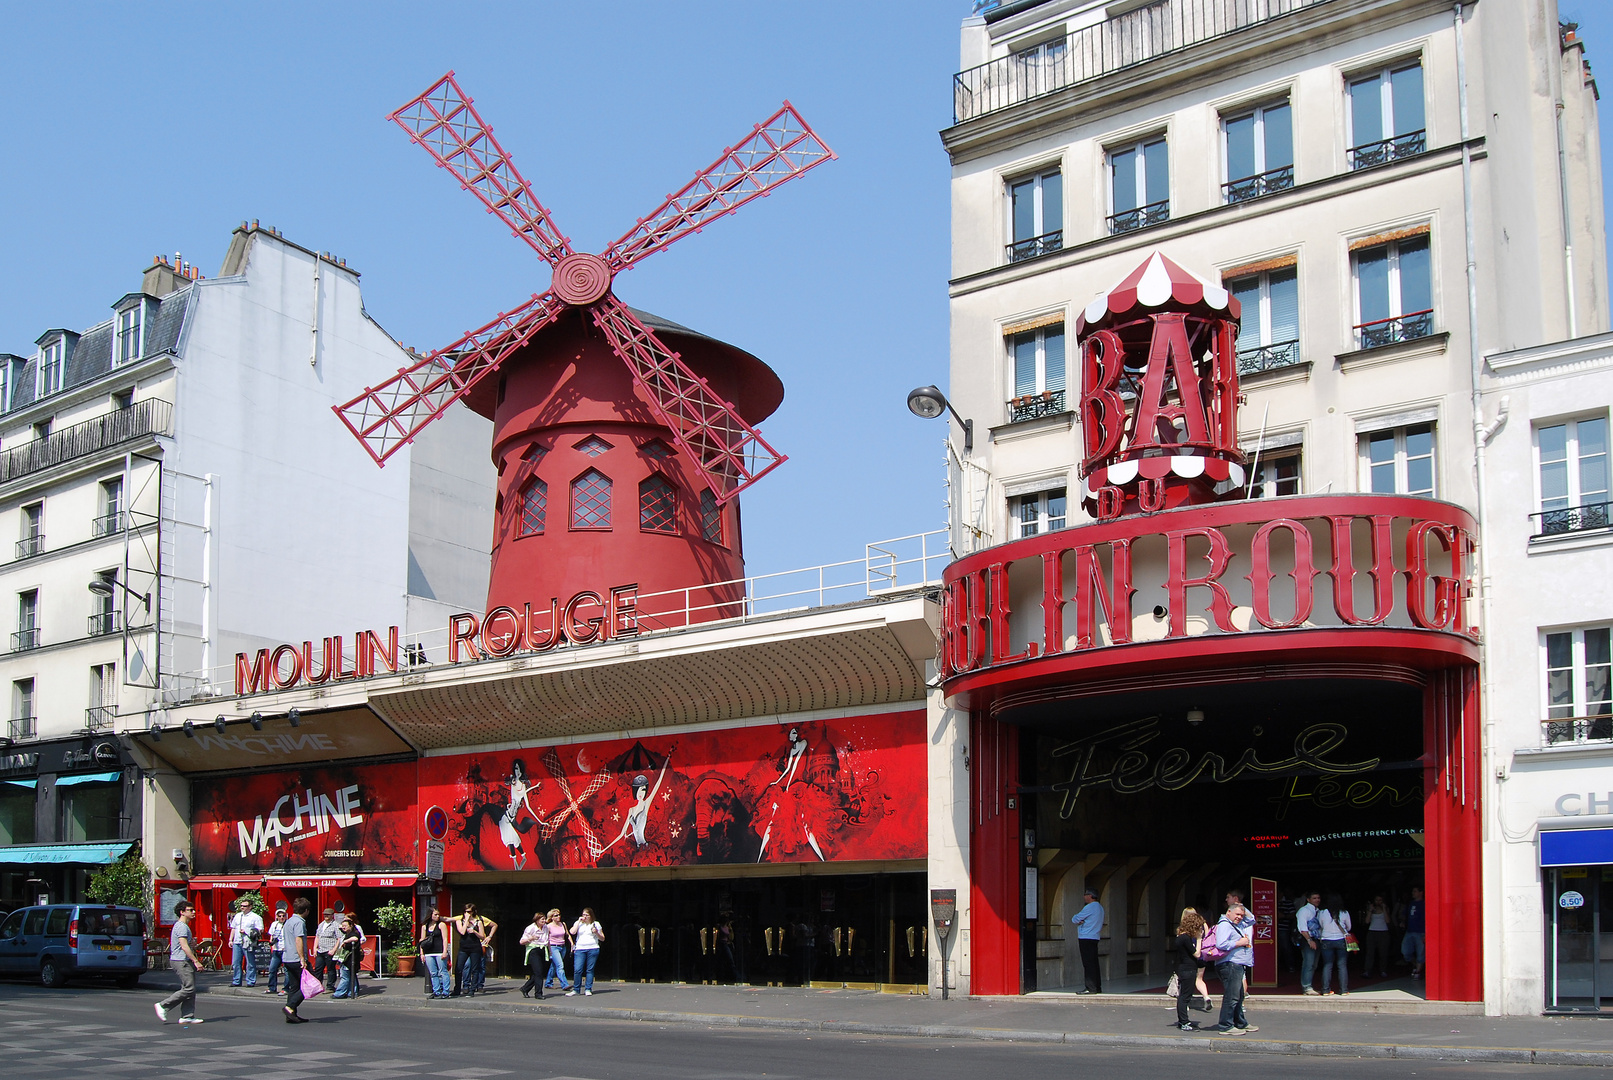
(581, 278)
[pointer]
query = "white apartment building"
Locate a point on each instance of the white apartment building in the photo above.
(1394, 190)
(179, 490)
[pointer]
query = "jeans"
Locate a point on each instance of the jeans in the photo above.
(274, 971)
(1333, 955)
(346, 984)
(1307, 964)
(1232, 976)
(472, 971)
(437, 974)
(241, 958)
(557, 966)
(185, 996)
(293, 985)
(1089, 965)
(582, 967)
(1412, 948)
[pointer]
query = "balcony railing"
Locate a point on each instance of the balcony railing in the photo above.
(23, 640)
(1131, 220)
(1409, 327)
(100, 717)
(152, 416)
(1107, 47)
(1258, 358)
(1033, 406)
(1020, 250)
(1384, 151)
(1572, 519)
(1579, 729)
(1259, 185)
(29, 546)
(105, 622)
(107, 524)
(23, 727)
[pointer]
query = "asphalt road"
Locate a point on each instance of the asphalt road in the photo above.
(96, 1032)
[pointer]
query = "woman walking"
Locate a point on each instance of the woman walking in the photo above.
(1377, 943)
(587, 935)
(535, 940)
(1189, 935)
(434, 953)
(555, 926)
(1335, 928)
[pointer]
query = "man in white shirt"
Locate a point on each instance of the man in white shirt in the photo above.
(1305, 922)
(246, 927)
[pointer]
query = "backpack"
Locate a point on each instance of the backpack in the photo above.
(1209, 950)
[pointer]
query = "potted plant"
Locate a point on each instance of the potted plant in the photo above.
(396, 923)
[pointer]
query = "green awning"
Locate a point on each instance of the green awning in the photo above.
(88, 778)
(91, 854)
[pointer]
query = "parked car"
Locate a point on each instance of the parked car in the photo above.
(64, 941)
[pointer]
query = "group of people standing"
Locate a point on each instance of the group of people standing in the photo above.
(1325, 934)
(545, 942)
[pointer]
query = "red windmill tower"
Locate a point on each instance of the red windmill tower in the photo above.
(617, 455)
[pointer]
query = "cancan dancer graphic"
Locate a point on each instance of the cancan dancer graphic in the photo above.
(791, 794)
(638, 816)
(508, 829)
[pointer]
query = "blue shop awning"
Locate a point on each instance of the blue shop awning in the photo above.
(21, 783)
(38, 854)
(1576, 847)
(88, 778)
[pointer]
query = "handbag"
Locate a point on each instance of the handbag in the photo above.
(311, 986)
(1350, 944)
(1174, 987)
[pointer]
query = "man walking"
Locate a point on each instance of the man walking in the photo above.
(295, 933)
(1412, 944)
(326, 938)
(1088, 928)
(182, 958)
(1310, 929)
(277, 945)
(246, 927)
(1234, 935)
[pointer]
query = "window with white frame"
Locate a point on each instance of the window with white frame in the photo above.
(1398, 461)
(103, 703)
(32, 540)
(1259, 148)
(1386, 115)
(1572, 462)
(50, 368)
(128, 334)
(1139, 185)
(23, 720)
(1038, 512)
(1039, 372)
(1274, 473)
(1268, 329)
(1578, 665)
(110, 518)
(1035, 215)
(1394, 291)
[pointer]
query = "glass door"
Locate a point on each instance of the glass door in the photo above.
(1576, 948)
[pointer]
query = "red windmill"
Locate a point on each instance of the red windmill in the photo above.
(565, 415)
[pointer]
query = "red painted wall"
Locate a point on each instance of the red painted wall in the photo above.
(1452, 827)
(995, 878)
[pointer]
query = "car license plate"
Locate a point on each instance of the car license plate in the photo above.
(113, 946)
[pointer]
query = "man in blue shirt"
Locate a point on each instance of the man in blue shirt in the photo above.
(1411, 946)
(1234, 935)
(1088, 927)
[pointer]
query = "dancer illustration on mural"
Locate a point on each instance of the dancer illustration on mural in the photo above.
(510, 827)
(792, 795)
(638, 816)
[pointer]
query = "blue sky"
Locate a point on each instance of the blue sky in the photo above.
(142, 132)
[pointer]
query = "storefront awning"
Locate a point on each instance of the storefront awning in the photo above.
(1576, 847)
(225, 882)
(307, 881)
(387, 881)
(89, 854)
(89, 778)
(21, 783)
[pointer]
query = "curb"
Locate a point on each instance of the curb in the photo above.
(1205, 1041)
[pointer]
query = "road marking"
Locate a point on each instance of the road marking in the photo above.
(472, 1074)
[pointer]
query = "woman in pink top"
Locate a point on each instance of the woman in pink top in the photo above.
(558, 940)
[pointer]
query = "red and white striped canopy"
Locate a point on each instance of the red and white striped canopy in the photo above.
(1157, 283)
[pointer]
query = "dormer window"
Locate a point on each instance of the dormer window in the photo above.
(128, 336)
(50, 367)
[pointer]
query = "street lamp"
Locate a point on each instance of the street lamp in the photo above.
(102, 586)
(928, 402)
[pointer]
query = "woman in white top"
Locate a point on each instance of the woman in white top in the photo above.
(585, 953)
(1335, 927)
(1376, 947)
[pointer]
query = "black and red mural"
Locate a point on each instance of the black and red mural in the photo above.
(834, 790)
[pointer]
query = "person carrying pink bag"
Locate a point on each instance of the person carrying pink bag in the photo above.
(301, 982)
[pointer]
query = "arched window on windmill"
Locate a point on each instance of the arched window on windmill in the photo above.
(590, 501)
(534, 507)
(657, 505)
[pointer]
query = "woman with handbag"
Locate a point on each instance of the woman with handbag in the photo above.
(587, 935)
(1189, 933)
(535, 940)
(559, 938)
(1336, 939)
(434, 953)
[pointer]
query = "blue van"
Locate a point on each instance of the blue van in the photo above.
(58, 942)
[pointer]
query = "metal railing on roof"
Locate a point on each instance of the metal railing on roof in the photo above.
(152, 416)
(1104, 48)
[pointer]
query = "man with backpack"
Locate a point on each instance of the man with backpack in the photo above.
(1233, 947)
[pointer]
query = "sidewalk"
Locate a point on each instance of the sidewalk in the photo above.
(1106, 1020)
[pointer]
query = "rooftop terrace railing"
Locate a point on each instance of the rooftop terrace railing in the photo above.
(1124, 41)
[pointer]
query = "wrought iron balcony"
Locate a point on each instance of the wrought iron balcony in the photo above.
(1136, 37)
(107, 524)
(1408, 327)
(1131, 220)
(23, 640)
(29, 546)
(100, 717)
(1384, 151)
(1571, 519)
(1258, 358)
(105, 622)
(1033, 406)
(1261, 184)
(23, 727)
(152, 416)
(1579, 729)
(1020, 250)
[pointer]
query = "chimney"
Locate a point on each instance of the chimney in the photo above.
(160, 278)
